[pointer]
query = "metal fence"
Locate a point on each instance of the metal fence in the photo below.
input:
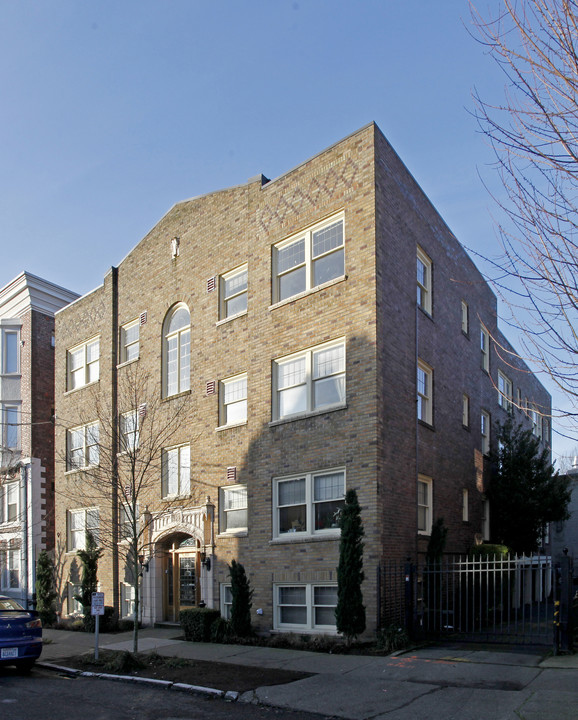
(500, 599)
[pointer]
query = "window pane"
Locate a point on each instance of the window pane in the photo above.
(180, 319)
(76, 359)
(291, 256)
(236, 305)
(329, 361)
(131, 334)
(185, 360)
(11, 352)
(185, 477)
(327, 239)
(329, 391)
(172, 365)
(292, 401)
(292, 283)
(293, 372)
(236, 519)
(325, 595)
(293, 519)
(327, 487)
(235, 498)
(236, 284)
(292, 492)
(293, 615)
(11, 427)
(328, 267)
(131, 352)
(292, 596)
(92, 351)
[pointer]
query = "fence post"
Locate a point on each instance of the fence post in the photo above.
(409, 604)
(565, 607)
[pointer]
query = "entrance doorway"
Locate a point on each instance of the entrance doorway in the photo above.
(181, 577)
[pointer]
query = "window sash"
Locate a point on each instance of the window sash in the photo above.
(234, 401)
(312, 258)
(129, 431)
(10, 437)
(234, 509)
(83, 364)
(305, 606)
(234, 286)
(505, 392)
(424, 505)
(424, 393)
(10, 569)
(10, 352)
(424, 284)
(130, 341)
(177, 472)
(79, 523)
(83, 447)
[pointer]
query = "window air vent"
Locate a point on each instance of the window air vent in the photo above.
(143, 318)
(210, 388)
(231, 474)
(211, 284)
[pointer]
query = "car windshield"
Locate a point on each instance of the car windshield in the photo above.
(9, 604)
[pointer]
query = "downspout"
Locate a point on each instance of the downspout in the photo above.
(114, 437)
(24, 515)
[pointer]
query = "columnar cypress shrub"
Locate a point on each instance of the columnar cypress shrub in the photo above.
(350, 611)
(241, 595)
(89, 558)
(45, 589)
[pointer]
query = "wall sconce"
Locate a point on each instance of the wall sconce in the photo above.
(205, 561)
(143, 565)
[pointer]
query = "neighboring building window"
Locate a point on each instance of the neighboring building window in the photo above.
(305, 606)
(424, 281)
(125, 521)
(519, 399)
(9, 501)
(10, 569)
(536, 420)
(129, 431)
(83, 364)
(10, 436)
(226, 601)
(233, 506)
(177, 351)
(309, 259)
(424, 505)
(310, 381)
(424, 393)
(176, 473)
(465, 411)
(233, 401)
(546, 430)
(465, 505)
(308, 504)
(505, 391)
(81, 522)
(82, 449)
(126, 600)
(485, 431)
(485, 519)
(10, 352)
(234, 293)
(465, 318)
(129, 341)
(485, 348)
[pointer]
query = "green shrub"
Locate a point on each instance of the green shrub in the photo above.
(196, 623)
(391, 638)
(221, 631)
(489, 551)
(241, 594)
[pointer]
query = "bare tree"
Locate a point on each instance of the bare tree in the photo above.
(534, 135)
(123, 476)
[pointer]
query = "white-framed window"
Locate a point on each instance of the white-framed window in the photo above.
(83, 364)
(125, 525)
(309, 381)
(308, 504)
(10, 435)
(226, 600)
(465, 505)
(519, 399)
(466, 410)
(10, 352)
(176, 472)
(130, 341)
(126, 600)
(424, 504)
(309, 259)
(505, 391)
(535, 419)
(424, 281)
(306, 606)
(233, 516)
(74, 606)
(233, 292)
(9, 501)
(485, 431)
(129, 431)
(10, 569)
(424, 392)
(177, 351)
(80, 522)
(465, 318)
(485, 348)
(485, 519)
(233, 400)
(82, 448)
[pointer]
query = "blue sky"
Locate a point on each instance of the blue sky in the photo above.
(113, 111)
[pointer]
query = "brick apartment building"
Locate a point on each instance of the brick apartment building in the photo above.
(283, 316)
(27, 307)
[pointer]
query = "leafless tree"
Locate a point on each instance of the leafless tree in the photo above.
(123, 476)
(534, 135)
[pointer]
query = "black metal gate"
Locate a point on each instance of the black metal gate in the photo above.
(509, 599)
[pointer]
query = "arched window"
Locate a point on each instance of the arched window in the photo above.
(177, 351)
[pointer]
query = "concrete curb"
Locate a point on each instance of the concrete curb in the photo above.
(229, 695)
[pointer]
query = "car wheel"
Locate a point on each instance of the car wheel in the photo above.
(25, 666)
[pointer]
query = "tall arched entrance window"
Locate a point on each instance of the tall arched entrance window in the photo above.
(177, 351)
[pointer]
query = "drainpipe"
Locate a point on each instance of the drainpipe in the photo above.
(24, 515)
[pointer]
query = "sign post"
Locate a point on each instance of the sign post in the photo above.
(97, 609)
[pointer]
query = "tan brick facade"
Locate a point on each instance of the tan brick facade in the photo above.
(373, 437)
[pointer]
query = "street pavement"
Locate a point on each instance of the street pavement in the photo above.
(430, 682)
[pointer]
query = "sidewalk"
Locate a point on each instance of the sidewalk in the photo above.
(434, 682)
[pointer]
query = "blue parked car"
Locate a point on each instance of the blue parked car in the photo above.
(20, 634)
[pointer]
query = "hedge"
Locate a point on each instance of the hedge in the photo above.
(196, 623)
